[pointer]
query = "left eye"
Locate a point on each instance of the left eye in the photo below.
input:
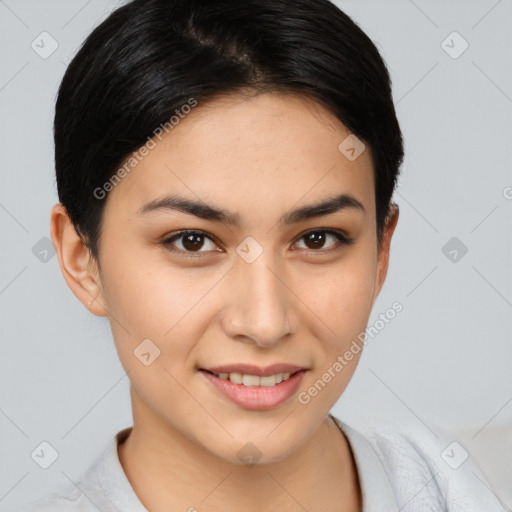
(317, 238)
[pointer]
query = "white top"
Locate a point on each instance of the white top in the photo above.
(399, 471)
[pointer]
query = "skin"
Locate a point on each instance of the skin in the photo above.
(260, 157)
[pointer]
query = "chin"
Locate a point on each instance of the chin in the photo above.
(256, 450)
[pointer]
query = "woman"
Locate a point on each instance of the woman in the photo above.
(225, 174)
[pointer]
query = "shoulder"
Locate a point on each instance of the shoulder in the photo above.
(102, 486)
(427, 469)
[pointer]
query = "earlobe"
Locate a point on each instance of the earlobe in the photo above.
(76, 263)
(383, 251)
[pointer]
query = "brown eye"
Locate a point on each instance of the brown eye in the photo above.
(316, 240)
(191, 242)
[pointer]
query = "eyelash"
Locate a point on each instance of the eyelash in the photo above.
(167, 243)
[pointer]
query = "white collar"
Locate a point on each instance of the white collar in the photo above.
(377, 493)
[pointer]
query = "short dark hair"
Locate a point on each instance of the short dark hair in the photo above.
(149, 57)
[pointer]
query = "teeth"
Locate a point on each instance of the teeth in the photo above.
(235, 377)
(269, 380)
(250, 380)
(254, 380)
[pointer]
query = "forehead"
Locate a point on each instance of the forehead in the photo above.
(268, 149)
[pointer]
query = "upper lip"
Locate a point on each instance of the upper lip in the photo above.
(250, 369)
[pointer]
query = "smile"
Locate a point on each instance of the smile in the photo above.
(254, 380)
(255, 392)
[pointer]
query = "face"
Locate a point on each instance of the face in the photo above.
(213, 256)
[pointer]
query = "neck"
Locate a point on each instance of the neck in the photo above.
(170, 472)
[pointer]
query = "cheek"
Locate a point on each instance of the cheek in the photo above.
(342, 298)
(148, 298)
(344, 303)
(146, 291)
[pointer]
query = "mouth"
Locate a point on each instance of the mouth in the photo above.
(254, 380)
(255, 388)
(251, 375)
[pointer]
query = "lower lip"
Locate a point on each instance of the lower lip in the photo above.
(257, 398)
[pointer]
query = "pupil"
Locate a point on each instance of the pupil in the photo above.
(192, 241)
(317, 240)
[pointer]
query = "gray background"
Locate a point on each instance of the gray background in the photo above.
(443, 362)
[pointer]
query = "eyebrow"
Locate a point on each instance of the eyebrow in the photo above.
(207, 212)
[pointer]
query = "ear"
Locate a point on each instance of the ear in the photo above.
(383, 250)
(76, 262)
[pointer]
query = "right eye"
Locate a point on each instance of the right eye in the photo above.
(191, 241)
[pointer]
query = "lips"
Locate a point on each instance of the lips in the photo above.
(255, 387)
(252, 395)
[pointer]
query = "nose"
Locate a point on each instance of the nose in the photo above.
(260, 309)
